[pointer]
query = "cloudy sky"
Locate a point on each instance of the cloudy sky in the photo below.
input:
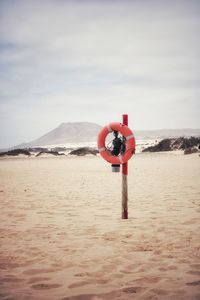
(68, 61)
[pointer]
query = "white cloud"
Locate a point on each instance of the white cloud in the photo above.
(93, 60)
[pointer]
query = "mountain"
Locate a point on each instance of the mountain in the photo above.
(166, 133)
(67, 133)
(85, 132)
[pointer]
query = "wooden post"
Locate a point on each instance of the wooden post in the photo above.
(124, 180)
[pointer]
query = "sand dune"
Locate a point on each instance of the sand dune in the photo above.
(62, 237)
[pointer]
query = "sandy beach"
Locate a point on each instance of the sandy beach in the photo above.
(62, 237)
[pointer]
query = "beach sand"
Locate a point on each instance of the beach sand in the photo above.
(62, 237)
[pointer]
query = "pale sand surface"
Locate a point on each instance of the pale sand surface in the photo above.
(62, 237)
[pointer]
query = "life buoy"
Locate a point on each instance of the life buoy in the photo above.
(130, 143)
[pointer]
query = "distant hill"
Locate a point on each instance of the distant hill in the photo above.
(166, 133)
(85, 132)
(67, 133)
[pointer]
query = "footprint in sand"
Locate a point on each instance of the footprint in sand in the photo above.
(120, 275)
(83, 274)
(194, 272)
(79, 284)
(128, 256)
(116, 294)
(132, 289)
(172, 267)
(149, 280)
(195, 266)
(5, 296)
(194, 283)
(36, 279)
(80, 297)
(159, 292)
(11, 278)
(38, 271)
(45, 286)
(109, 268)
(7, 265)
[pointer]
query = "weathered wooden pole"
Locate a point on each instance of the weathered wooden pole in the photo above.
(124, 180)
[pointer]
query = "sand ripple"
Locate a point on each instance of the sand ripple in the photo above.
(62, 237)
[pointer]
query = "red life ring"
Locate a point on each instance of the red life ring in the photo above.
(130, 143)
